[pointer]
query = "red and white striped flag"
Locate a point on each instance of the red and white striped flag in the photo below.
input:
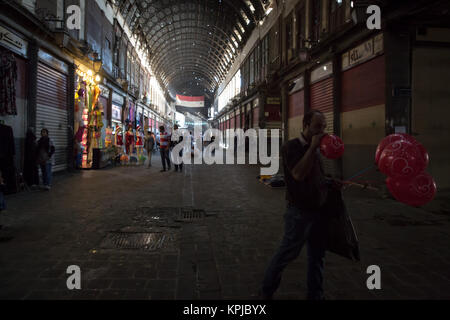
(190, 102)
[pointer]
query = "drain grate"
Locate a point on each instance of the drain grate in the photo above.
(190, 215)
(143, 241)
(148, 216)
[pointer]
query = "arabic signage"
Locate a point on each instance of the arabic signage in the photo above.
(13, 42)
(363, 52)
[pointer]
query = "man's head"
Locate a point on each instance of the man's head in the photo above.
(175, 127)
(314, 123)
(44, 132)
(161, 128)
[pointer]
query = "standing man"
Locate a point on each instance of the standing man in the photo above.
(45, 152)
(178, 138)
(149, 145)
(306, 193)
(164, 144)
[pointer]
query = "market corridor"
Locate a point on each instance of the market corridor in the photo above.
(210, 230)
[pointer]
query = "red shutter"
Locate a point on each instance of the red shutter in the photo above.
(322, 99)
(296, 104)
(364, 85)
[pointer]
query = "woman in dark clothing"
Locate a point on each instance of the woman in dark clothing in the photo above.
(45, 151)
(30, 171)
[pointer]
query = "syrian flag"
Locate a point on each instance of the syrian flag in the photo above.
(190, 102)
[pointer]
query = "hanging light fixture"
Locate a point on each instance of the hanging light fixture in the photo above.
(97, 63)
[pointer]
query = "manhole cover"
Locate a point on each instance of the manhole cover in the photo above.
(143, 241)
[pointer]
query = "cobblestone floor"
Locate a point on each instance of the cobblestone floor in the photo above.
(220, 254)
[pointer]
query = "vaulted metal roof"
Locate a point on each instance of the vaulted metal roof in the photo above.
(192, 43)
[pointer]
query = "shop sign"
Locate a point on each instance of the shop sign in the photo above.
(363, 52)
(297, 84)
(53, 62)
(104, 91)
(322, 72)
(13, 42)
(117, 98)
(116, 113)
(273, 100)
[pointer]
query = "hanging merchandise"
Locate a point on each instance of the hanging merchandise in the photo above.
(139, 145)
(7, 153)
(108, 137)
(8, 78)
(129, 140)
(89, 113)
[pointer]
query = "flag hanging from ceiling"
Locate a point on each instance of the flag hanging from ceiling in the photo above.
(190, 102)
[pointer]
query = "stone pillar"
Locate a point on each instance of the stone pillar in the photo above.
(397, 49)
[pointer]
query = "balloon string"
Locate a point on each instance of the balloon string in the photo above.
(360, 173)
(368, 181)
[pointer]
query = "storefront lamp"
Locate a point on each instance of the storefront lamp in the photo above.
(97, 63)
(98, 78)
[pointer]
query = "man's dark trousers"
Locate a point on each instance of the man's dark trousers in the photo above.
(165, 157)
(179, 166)
(300, 228)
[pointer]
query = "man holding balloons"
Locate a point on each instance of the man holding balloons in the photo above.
(307, 190)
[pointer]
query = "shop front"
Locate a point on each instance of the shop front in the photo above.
(363, 102)
(255, 111)
(93, 136)
(272, 112)
(321, 95)
(13, 107)
(296, 109)
(52, 105)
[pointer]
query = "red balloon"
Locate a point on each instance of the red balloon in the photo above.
(331, 146)
(383, 143)
(423, 153)
(401, 159)
(415, 192)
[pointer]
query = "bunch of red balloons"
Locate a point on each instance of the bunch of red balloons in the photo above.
(331, 146)
(404, 160)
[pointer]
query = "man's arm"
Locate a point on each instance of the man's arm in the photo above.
(304, 166)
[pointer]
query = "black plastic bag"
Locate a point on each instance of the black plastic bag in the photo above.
(340, 235)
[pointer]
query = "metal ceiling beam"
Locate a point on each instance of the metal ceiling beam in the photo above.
(172, 46)
(205, 31)
(217, 58)
(187, 73)
(174, 62)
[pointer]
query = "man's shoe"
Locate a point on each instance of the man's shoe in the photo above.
(162, 170)
(263, 296)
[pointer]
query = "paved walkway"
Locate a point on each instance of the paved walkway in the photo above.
(206, 233)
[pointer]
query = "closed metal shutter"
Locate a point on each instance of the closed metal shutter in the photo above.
(322, 99)
(51, 111)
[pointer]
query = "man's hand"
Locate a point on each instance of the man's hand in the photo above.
(315, 142)
(335, 184)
